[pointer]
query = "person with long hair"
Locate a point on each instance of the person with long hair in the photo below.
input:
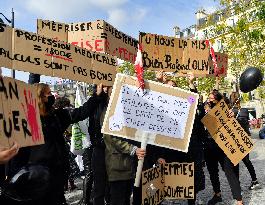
(214, 155)
(53, 152)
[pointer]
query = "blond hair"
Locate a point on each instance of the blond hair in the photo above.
(41, 87)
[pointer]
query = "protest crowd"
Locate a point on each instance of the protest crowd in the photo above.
(119, 169)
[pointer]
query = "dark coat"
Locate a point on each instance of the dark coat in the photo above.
(243, 118)
(53, 152)
(119, 158)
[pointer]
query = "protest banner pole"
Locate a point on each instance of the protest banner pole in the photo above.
(13, 26)
(141, 161)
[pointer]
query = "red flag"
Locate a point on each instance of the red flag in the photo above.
(138, 67)
(216, 70)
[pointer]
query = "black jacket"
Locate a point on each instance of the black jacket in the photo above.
(53, 152)
(243, 118)
(96, 120)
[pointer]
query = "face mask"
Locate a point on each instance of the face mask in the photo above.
(50, 102)
(211, 104)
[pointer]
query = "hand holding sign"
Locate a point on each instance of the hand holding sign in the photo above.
(140, 153)
(141, 160)
(8, 153)
(161, 76)
(99, 89)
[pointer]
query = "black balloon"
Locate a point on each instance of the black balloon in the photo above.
(250, 79)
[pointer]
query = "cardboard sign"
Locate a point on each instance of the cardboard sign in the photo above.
(38, 54)
(165, 112)
(153, 184)
(227, 133)
(174, 54)
(51, 29)
(169, 181)
(179, 180)
(19, 114)
(6, 44)
(96, 36)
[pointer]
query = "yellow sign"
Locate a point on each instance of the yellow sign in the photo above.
(97, 36)
(169, 181)
(38, 54)
(227, 133)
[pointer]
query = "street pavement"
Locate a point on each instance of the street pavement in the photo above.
(253, 197)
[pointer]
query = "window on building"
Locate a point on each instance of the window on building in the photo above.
(216, 17)
(202, 21)
(181, 34)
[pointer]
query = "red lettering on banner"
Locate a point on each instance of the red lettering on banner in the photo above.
(107, 46)
(75, 43)
(97, 44)
(89, 45)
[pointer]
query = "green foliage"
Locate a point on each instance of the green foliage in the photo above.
(128, 69)
(204, 85)
(245, 97)
(261, 92)
(149, 75)
(245, 40)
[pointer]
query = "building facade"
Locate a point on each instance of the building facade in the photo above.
(205, 28)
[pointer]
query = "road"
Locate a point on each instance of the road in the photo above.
(254, 197)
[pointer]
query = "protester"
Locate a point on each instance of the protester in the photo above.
(195, 152)
(72, 168)
(242, 116)
(53, 153)
(214, 155)
(119, 155)
(153, 156)
(100, 189)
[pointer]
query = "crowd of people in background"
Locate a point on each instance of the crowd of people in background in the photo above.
(110, 162)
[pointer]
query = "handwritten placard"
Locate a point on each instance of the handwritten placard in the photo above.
(227, 133)
(174, 54)
(169, 181)
(179, 180)
(153, 184)
(165, 112)
(37, 54)
(97, 36)
(151, 113)
(19, 114)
